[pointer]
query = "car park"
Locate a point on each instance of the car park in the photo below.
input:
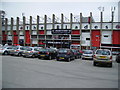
(5, 50)
(65, 54)
(87, 54)
(47, 53)
(102, 56)
(118, 58)
(31, 52)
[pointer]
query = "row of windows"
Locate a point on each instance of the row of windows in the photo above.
(67, 26)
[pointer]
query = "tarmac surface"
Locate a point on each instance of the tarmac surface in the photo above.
(19, 72)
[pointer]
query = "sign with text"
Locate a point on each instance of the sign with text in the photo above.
(61, 31)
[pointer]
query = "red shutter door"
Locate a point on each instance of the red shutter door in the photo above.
(41, 32)
(95, 38)
(75, 32)
(116, 37)
(75, 42)
(15, 37)
(4, 36)
(27, 34)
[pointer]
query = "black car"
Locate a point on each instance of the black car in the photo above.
(65, 54)
(118, 58)
(47, 53)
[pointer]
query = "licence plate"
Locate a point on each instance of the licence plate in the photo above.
(102, 57)
(42, 55)
(61, 57)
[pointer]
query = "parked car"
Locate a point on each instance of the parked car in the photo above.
(77, 53)
(5, 50)
(65, 54)
(31, 52)
(18, 50)
(118, 58)
(47, 53)
(103, 56)
(87, 54)
(115, 52)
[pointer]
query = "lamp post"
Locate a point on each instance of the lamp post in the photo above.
(112, 11)
(101, 9)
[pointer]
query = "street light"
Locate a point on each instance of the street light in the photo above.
(112, 10)
(101, 9)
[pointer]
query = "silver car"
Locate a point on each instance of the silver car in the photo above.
(103, 56)
(87, 54)
(6, 50)
(31, 52)
(18, 50)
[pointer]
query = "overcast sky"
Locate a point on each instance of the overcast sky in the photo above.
(34, 8)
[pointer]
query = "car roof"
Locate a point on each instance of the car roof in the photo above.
(104, 49)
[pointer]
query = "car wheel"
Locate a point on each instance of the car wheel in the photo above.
(110, 65)
(94, 63)
(117, 61)
(73, 58)
(33, 56)
(68, 59)
(39, 57)
(6, 53)
(57, 59)
(19, 54)
(24, 56)
(50, 57)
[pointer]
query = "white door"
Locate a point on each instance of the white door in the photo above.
(85, 39)
(106, 37)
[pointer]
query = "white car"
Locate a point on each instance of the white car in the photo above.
(6, 50)
(87, 54)
(102, 56)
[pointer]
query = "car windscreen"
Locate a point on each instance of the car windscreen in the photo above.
(36, 49)
(103, 52)
(15, 48)
(62, 51)
(44, 50)
(22, 48)
(29, 49)
(25, 48)
(88, 52)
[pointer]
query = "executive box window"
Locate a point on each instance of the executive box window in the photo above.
(41, 28)
(87, 38)
(58, 27)
(85, 30)
(106, 36)
(76, 27)
(66, 27)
